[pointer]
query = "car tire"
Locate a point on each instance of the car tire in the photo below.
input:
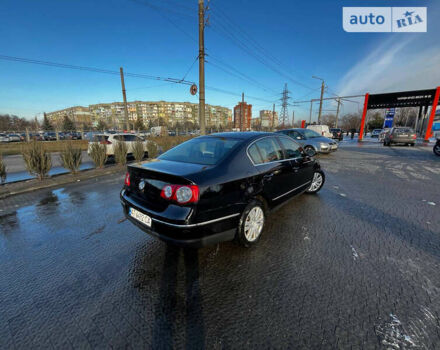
(251, 224)
(412, 144)
(318, 181)
(310, 151)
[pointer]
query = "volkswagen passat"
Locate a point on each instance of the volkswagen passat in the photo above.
(218, 187)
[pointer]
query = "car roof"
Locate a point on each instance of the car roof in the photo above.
(243, 135)
(293, 129)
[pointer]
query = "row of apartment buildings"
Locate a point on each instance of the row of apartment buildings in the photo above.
(163, 113)
(150, 113)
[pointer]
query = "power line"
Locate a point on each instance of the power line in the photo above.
(237, 94)
(92, 69)
(261, 54)
(229, 70)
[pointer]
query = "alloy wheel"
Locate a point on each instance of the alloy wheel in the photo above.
(316, 182)
(253, 225)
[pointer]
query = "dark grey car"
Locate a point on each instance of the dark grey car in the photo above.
(403, 135)
(311, 141)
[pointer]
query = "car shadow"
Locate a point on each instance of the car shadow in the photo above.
(174, 311)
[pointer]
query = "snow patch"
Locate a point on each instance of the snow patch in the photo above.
(342, 194)
(431, 203)
(354, 253)
(393, 334)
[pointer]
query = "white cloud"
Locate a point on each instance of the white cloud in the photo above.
(394, 66)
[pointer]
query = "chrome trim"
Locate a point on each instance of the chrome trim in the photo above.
(274, 199)
(275, 161)
(130, 201)
(198, 224)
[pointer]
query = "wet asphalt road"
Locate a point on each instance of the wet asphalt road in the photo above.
(355, 266)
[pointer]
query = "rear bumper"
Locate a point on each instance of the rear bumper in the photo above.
(194, 235)
(402, 140)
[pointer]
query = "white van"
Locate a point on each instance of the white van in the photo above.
(321, 129)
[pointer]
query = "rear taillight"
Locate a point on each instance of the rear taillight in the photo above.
(127, 179)
(106, 142)
(391, 136)
(182, 194)
(414, 137)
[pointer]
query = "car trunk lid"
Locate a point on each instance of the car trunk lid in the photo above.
(155, 175)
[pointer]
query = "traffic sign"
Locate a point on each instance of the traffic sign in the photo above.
(193, 89)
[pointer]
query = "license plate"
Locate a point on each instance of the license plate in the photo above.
(403, 135)
(145, 219)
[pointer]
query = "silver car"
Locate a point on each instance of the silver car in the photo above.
(4, 138)
(311, 141)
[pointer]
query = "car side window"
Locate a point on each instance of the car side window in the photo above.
(270, 149)
(290, 147)
(255, 154)
(295, 135)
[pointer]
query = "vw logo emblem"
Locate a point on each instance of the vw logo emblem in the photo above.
(142, 185)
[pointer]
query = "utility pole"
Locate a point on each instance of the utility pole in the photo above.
(124, 96)
(311, 106)
(273, 116)
(293, 119)
(337, 112)
(242, 112)
(320, 102)
(322, 95)
(202, 66)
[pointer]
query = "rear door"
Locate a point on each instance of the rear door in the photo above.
(302, 166)
(268, 158)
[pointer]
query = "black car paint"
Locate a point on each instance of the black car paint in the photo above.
(225, 190)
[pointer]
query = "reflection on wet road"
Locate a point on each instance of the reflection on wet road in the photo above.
(328, 272)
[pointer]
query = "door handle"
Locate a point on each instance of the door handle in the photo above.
(268, 177)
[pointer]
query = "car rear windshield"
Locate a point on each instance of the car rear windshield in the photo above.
(100, 138)
(204, 150)
(403, 131)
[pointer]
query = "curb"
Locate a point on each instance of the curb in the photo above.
(21, 187)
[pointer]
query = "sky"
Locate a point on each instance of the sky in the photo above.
(252, 46)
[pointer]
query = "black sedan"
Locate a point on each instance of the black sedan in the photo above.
(218, 187)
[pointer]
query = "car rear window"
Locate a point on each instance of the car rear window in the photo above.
(403, 131)
(100, 138)
(204, 150)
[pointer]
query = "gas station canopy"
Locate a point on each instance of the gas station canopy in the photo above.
(416, 98)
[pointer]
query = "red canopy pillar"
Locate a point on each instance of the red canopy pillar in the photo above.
(364, 114)
(432, 115)
(303, 124)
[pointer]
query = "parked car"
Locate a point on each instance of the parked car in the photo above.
(4, 138)
(311, 141)
(219, 187)
(376, 133)
(322, 130)
(403, 135)
(49, 136)
(110, 139)
(337, 134)
(14, 138)
(436, 148)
